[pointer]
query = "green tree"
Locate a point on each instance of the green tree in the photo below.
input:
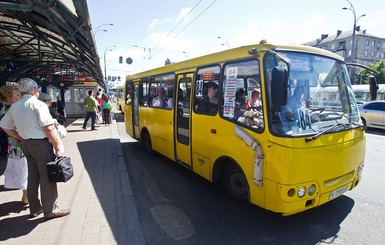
(167, 62)
(379, 67)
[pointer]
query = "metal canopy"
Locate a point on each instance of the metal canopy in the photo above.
(43, 39)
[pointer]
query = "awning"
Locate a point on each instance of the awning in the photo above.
(45, 38)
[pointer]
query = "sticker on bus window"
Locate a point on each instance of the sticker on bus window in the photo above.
(199, 88)
(229, 97)
(304, 120)
(232, 73)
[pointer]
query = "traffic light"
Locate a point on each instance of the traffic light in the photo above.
(120, 59)
(373, 87)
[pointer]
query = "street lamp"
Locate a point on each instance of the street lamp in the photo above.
(97, 28)
(99, 31)
(227, 43)
(105, 63)
(354, 53)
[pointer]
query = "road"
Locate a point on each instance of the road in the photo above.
(176, 206)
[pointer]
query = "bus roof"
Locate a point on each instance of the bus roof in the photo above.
(235, 53)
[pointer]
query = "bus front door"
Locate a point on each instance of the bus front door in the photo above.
(135, 110)
(182, 111)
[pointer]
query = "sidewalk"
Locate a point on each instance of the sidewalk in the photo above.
(99, 197)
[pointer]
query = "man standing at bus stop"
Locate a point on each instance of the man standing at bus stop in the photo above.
(91, 107)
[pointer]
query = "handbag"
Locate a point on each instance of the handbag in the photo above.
(60, 169)
(16, 173)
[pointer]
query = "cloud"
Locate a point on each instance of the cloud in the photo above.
(157, 22)
(183, 14)
(153, 23)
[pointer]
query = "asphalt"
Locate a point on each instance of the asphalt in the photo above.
(99, 196)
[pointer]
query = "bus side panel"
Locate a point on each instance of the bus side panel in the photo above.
(213, 144)
(159, 124)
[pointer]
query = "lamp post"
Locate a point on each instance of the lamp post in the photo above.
(353, 53)
(105, 63)
(99, 31)
(227, 43)
(97, 28)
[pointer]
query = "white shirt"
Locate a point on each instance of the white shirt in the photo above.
(28, 115)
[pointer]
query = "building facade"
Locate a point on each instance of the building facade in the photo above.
(368, 49)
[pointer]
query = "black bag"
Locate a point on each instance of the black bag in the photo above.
(60, 170)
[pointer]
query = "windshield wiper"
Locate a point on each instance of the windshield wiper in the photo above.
(311, 138)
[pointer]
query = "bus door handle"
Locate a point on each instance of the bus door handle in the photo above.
(213, 131)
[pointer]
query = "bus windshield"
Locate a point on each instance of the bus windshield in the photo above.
(319, 97)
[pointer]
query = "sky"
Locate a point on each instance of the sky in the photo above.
(151, 31)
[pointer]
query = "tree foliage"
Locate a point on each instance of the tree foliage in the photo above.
(379, 67)
(167, 62)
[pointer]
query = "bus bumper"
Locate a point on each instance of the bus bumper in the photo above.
(292, 199)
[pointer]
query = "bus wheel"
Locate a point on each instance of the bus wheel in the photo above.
(146, 140)
(235, 183)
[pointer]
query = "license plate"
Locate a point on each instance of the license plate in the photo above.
(338, 192)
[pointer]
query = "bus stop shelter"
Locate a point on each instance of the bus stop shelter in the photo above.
(50, 41)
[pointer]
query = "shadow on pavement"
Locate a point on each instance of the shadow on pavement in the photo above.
(16, 226)
(100, 161)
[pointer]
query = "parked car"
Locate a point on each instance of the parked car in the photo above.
(373, 114)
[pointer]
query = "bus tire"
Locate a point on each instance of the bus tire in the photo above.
(235, 184)
(146, 141)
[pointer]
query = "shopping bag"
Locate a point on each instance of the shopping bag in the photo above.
(61, 130)
(16, 173)
(60, 169)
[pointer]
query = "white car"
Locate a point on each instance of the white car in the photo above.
(373, 114)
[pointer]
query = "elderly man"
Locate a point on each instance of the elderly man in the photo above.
(160, 100)
(35, 126)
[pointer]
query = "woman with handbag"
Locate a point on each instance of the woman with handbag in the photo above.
(16, 172)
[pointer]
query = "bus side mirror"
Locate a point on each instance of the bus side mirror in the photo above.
(279, 85)
(373, 87)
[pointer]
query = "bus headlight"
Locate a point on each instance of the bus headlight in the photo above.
(301, 191)
(311, 190)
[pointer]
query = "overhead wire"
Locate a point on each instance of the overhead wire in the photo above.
(158, 50)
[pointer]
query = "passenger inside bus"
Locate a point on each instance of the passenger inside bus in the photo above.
(170, 98)
(160, 100)
(253, 116)
(240, 103)
(210, 100)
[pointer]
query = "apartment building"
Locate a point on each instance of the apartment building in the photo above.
(368, 49)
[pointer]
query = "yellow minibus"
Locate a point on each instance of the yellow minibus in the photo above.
(256, 119)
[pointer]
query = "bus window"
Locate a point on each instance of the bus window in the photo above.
(144, 87)
(160, 89)
(241, 94)
(206, 90)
